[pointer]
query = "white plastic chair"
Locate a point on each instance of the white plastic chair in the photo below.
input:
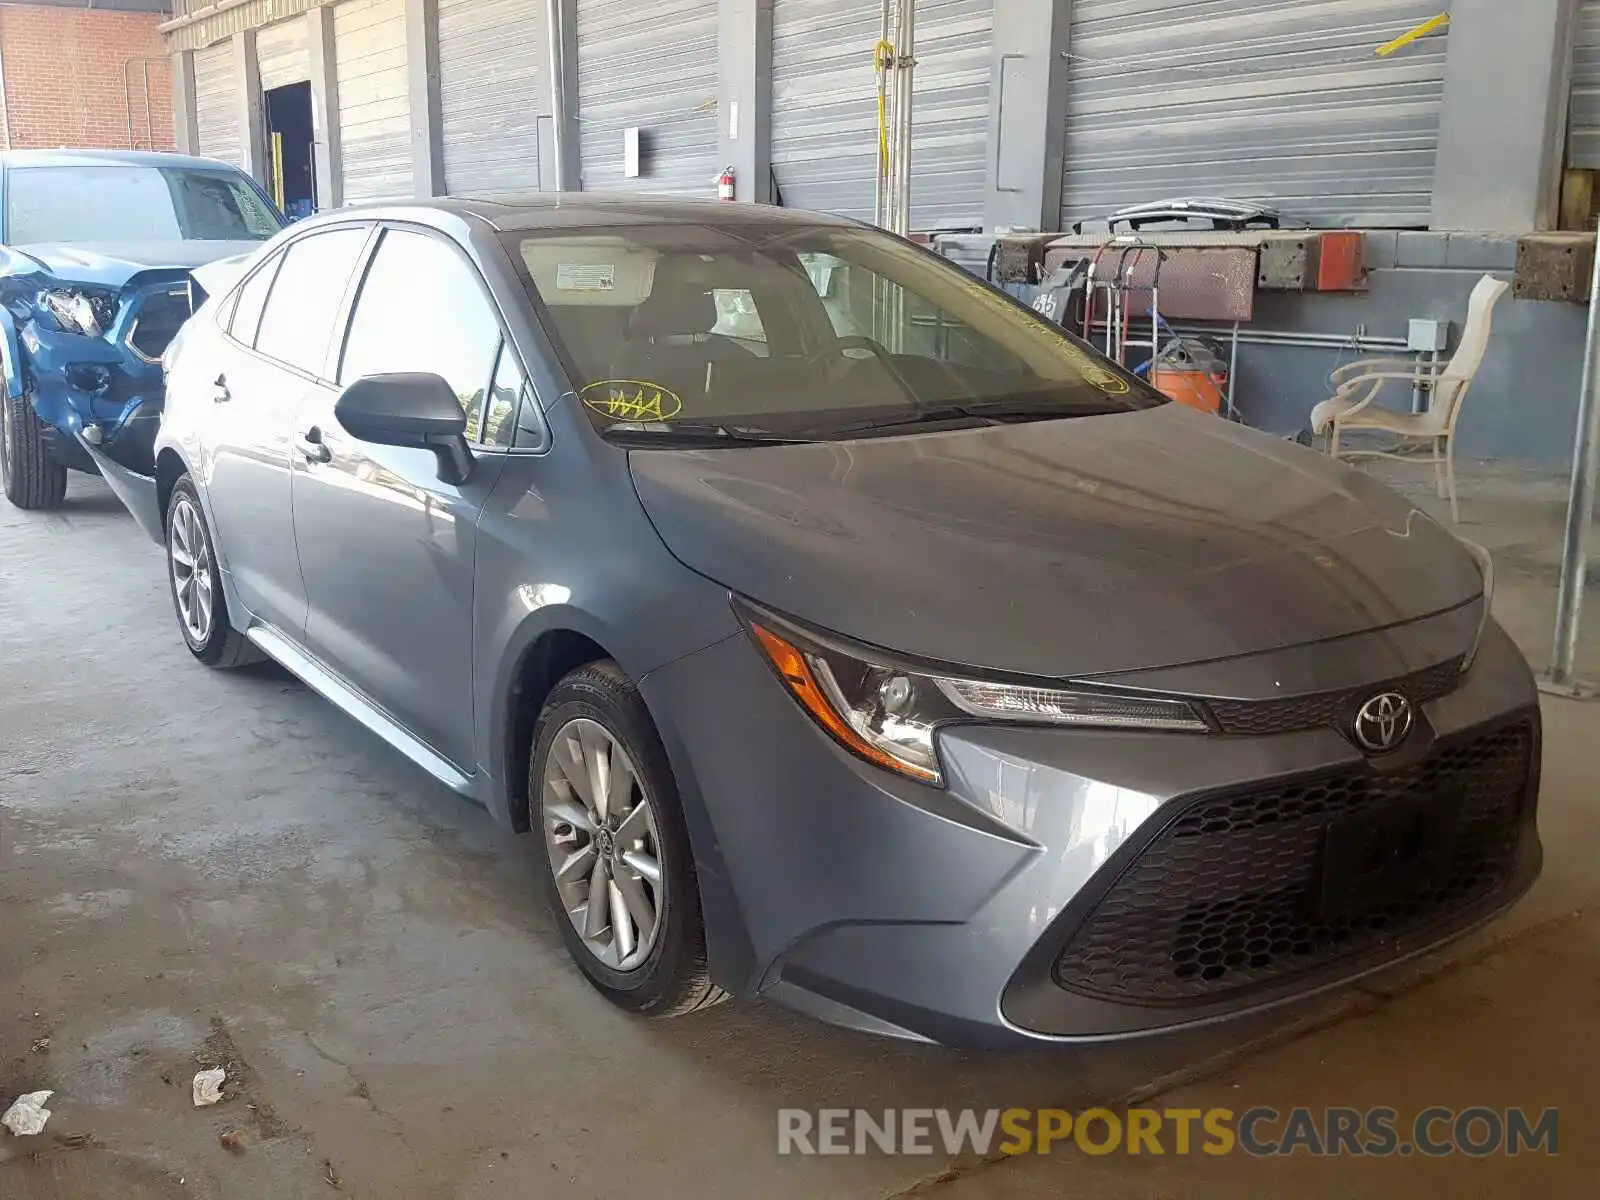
(1357, 384)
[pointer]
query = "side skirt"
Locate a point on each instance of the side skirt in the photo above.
(320, 680)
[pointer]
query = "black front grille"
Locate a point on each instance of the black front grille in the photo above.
(159, 319)
(1234, 893)
(1332, 710)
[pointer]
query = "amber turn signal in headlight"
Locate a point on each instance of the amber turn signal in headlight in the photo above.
(855, 726)
(887, 713)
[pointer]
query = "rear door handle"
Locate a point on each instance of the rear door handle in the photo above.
(219, 391)
(311, 446)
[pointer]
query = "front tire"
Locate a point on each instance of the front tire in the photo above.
(32, 479)
(197, 585)
(619, 875)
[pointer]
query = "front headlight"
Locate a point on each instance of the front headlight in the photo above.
(78, 312)
(887, 712)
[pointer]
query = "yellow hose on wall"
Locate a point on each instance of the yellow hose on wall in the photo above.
(1421, 31)
(882, 56)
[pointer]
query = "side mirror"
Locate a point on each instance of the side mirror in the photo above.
(412, 409)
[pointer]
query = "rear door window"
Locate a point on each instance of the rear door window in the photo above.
(304, 304)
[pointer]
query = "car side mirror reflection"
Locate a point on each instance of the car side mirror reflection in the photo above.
(414, 409)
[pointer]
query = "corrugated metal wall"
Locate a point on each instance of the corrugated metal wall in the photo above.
(374, 103)
(651, 64)
(492, 66)
(221, 20)
(1268, 100)
(1583, 132)
(216, 104)
(282, 54)
(825, 116)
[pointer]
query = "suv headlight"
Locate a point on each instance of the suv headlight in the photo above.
(887, 712)
(77, 311)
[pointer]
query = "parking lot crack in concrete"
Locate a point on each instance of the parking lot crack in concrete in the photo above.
(361, 1090)
(1363, 1000)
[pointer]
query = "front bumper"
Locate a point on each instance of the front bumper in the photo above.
(136, 490)
(874, 902)
(112, 383)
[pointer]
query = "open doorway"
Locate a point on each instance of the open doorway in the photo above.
(290, 170)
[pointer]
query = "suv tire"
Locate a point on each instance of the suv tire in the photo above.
(33, 480)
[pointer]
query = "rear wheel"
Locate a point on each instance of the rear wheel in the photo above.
(197, 585)
(620, 876)
(32, 479)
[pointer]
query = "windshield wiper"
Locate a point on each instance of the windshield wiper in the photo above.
(932, 414)
(699, 431)
(982, 412)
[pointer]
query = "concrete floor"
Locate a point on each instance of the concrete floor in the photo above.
(198, 869)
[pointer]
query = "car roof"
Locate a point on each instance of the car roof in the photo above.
(577, 210)
(100, 158)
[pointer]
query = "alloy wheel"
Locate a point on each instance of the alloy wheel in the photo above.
(600, 831)
(190, 557)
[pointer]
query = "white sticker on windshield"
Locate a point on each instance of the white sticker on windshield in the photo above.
(586, 277)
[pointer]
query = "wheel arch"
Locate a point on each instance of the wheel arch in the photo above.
(10, 353)
(170, 468)
(538, 662)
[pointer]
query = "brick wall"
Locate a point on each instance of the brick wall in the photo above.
(64, 78)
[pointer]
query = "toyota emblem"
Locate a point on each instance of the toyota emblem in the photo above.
(1382, 723)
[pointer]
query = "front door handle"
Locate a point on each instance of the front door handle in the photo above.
(311, 446)
(219, 391)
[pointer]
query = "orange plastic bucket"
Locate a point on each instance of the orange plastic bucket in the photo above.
(1190, 387)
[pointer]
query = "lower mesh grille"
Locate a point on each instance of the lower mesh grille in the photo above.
(1247, 887)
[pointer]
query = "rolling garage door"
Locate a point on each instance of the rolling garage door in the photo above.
(490, 57)
(825, 115)
(369, 42)
(282, 55)
(650, 64)
(1583, 132)
(216, 104)
(1279, 101)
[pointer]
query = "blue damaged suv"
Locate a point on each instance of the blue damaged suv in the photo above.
(95, 252)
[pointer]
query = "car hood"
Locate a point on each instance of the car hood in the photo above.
(1062, 548)
(112, 264)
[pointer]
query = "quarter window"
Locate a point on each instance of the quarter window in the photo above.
(305, 298)
(499, 424)
(423, 308)
(252, 298)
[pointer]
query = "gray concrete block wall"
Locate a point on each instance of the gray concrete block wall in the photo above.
(1523, 405)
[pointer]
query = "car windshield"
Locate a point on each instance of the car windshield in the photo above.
(756, 331)
(117, 203)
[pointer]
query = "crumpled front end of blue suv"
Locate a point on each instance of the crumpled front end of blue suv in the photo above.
(88, 356)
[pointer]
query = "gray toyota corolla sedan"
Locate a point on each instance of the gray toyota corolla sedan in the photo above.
(845, 633)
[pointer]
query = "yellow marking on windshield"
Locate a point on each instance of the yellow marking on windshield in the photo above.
(632, 400)
(1095, 374)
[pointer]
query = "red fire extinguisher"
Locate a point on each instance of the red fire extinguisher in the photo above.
(725, 184)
